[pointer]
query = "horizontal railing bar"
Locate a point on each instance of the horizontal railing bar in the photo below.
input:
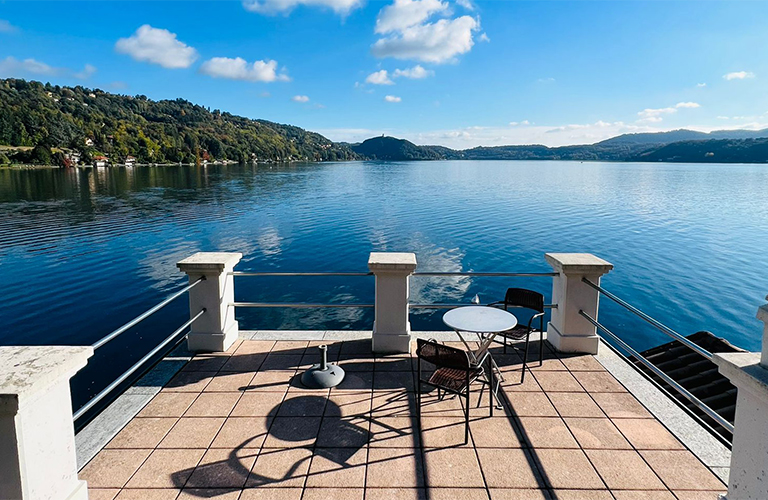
(138, 319)
(673, 383)
(469, 273)
(295, 305)
(660, 326)
(249, 273)
(94, 400)
(450, 306)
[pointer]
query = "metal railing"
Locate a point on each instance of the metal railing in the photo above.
(249, 273)
(669, 380)
(658, 325)
(173, 340)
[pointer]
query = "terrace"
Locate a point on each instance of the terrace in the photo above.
(224, 414)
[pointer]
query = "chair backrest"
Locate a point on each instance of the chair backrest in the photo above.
(520, 297)
(442, 355)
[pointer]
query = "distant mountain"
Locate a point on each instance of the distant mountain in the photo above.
(681, 135)
(392, 149)
(712, 151)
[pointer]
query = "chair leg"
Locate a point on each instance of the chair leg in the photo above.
(541, 341)
(525, 357)
(466, 415)
(490, 385)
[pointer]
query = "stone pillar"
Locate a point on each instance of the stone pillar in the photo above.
(37, 435)
(749, 458)
(216, 330)
(567, 330)
(391, 326)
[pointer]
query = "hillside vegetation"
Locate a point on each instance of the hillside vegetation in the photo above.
(94, 122)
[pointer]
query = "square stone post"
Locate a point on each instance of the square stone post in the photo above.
(567, 330)
(216, 330)
(37, 435)
(749, 458)
(391, 326)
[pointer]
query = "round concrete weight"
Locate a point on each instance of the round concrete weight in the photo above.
(323, 375)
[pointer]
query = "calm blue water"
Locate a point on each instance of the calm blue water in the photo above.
(84, 251)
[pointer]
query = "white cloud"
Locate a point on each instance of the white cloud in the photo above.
(655, 115)
(379, 78)
(239, 69)
(273, 7)
(723, 117)
(701, 85)
(392, 98)
(687, 105)
(6, 27)
(118, 85)
(300, 98)
(86, 73)
(518, 124)
(157, 46)
(467, 4)
(415, 73)
(10, 66)
(546, 80)
(483, 38)
(437, 42)
(739, 75)
(403, 14)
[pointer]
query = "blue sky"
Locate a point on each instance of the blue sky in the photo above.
(456, 72)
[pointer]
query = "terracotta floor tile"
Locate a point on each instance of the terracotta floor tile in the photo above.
(567, 469)
(395, 364)
(113, 468)
(262, 493)
(357, 381)
(348, 404)
(337, 468)
(395, 468)
(217, 494)
(530, 404)
(192, 432)
(516, 494)
(223, 469)
(558, 381)
(595, 382)
(102, 494)
(442, 432)
(281, 362)
(395, 493)
(546, 432)
(189, 382)
(621, 405)
(575, 405)
(547, 365)
(244, 363)
(353, 364)
(591, 495)
(494, 432)
(393, 381)
(291, 432)
(205, 364)
(168, 404)
(344, 432)
(290, 346)
(142, 433)
(166, 469)
(272, 381)
(647, 434)
(218, 404)
(586, 363)
(230, 382)
(458, 493)
(624, 470)
(258, 404)
(448, 406)
(644, 495)
(681, 470)
(597, 433)
(452, 468)
(255, 347)
(362, 346)
(697, 495)
(512, 382)
(509, 468)
(148, 494)
(333, 494)
(242, 432)
(312, 357)
(280, 468)
(302, 405)
(394, 432)
(393, 404)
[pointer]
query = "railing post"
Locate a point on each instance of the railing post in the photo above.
(391, 326)
(37, 435)
(567, 330)
(216, 330)
(748, 371)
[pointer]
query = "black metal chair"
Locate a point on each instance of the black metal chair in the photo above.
(526, 299)
(454, 373)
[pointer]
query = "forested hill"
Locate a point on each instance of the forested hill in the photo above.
(94, 122)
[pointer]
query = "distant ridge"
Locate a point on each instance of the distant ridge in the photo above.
(682, 135)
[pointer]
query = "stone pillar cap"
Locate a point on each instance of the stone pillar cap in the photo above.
(743, 369)
(392, 261)
(209, 261)
(28, 370)
(578, 263)
(762, 313)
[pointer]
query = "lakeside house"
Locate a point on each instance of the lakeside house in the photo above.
(100, 161)
(129, 161)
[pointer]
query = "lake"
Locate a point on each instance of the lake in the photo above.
(84, 251)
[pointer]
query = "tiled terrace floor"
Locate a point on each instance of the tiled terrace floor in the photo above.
(239, 425)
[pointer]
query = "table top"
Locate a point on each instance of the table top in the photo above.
(479, 319)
